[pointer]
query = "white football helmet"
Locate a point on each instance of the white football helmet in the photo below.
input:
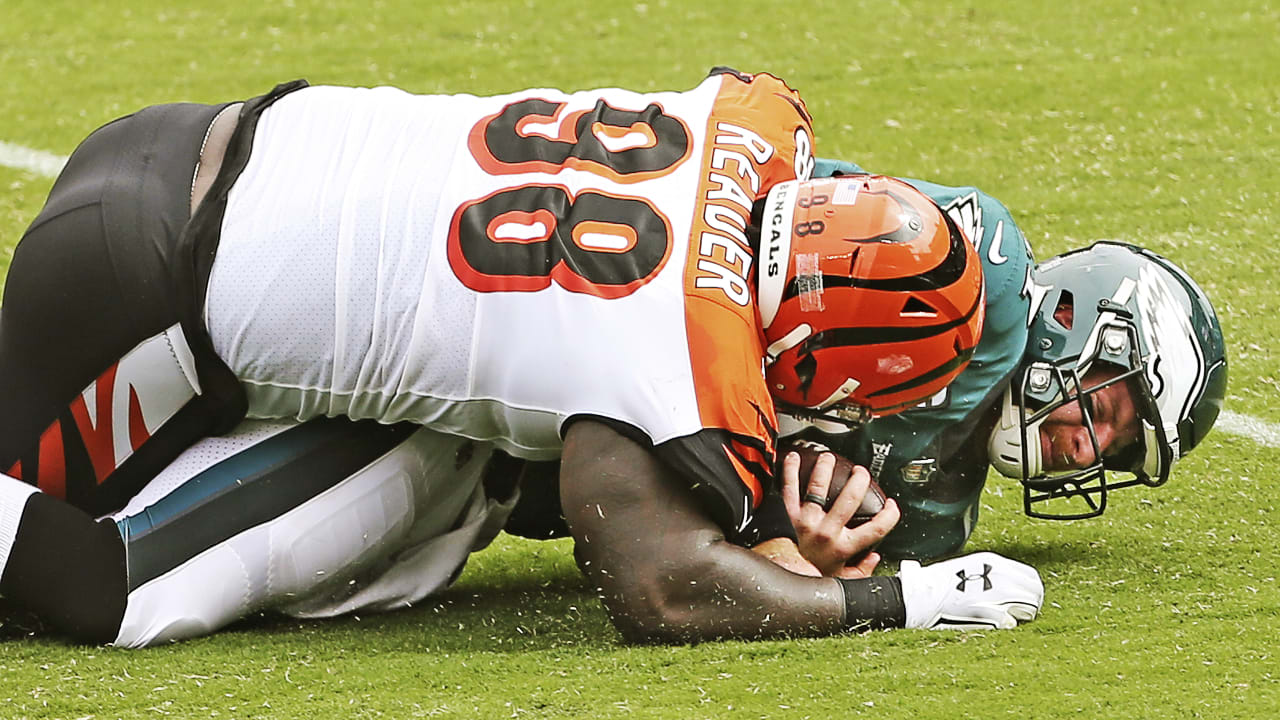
(1139, 313)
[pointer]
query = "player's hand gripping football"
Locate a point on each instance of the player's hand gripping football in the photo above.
(837, 534)
(972, 592)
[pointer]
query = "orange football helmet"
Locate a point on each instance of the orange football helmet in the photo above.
(870, 296)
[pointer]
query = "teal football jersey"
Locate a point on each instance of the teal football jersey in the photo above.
(932, 459)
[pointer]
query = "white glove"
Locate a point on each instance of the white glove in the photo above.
(977, 591)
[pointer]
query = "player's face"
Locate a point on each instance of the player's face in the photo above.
(1064, 435)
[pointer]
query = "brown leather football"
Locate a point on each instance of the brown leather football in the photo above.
(809, 451)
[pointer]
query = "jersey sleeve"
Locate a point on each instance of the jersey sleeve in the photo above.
(718, 466)
(932, 459)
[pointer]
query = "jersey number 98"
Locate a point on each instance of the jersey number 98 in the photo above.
(523, 238)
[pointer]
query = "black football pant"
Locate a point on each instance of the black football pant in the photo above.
(91, 280)
(106, 371)
(97, 276)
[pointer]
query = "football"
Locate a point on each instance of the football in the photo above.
(809, 451)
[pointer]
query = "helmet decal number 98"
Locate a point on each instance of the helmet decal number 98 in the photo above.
(524, 238)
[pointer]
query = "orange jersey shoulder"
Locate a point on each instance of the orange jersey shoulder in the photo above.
(758, 134)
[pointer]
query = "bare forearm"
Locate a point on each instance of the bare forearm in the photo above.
(663, 569)
(692, 591)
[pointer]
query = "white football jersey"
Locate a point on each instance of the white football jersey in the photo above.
(492, 266)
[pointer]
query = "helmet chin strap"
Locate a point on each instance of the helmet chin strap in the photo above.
(1004, 448)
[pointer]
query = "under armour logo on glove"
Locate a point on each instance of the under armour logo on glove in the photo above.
(985, 575)
(1010, 593)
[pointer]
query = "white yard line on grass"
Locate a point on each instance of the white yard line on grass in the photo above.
(47, 164)
(32, 161)
(1260, 431)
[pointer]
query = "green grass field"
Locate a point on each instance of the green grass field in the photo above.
(1156, 123)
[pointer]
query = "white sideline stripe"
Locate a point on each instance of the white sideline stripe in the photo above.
(1260, 431)
(49, 165)
(33, 161)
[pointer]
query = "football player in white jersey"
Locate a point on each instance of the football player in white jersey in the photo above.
(627, 282)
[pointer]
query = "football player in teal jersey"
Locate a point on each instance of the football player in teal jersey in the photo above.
(1087, 323)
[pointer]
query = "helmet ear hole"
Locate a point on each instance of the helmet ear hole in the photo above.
(915, 307)
(1065, 312)
(806, 367)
